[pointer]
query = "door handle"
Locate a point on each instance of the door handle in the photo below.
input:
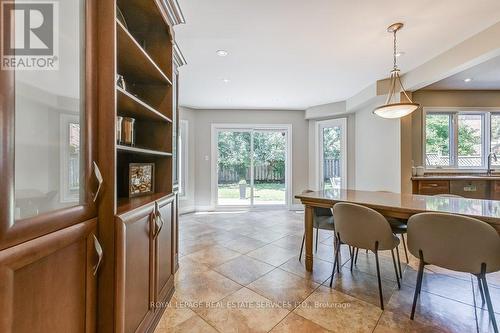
(158, 218)
(98, 176)
(98, 250)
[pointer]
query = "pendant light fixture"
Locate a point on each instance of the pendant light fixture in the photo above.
(393, 109)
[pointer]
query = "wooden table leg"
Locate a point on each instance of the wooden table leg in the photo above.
(308, 229)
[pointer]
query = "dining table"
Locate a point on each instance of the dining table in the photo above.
(396, 205)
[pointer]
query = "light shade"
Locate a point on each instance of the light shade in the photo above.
(396, 110)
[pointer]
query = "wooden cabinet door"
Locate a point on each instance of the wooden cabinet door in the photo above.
(48, 284)
(135, 270)
(48, 130)
(164, 244)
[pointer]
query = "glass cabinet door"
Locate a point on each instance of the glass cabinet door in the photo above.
(44, 65)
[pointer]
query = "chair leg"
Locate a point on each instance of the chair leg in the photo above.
(302, 246)
(337, 256)
(378, 277)
(404, 247)
(395, 269)
(352, 257)
(399, 264)
(481, 292)
(335, 261)
(418, 286)
(317, 238)
(356, 257)
(488, 298)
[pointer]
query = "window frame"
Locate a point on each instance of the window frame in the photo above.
(182, 155)
(485, 112)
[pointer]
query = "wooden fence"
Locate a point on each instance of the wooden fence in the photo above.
(331, 168)
(264, 173)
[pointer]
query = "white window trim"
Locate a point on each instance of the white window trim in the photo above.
(342, 123)
(184, 159)
(454, 111)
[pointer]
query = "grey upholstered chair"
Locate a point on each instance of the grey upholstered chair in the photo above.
(365, 228)
(322, 219)
(457, 243)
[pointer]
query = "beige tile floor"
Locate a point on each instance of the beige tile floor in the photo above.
(239, 272)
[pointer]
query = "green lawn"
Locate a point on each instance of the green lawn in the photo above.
(263, 192)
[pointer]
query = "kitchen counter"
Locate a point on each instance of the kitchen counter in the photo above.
(457, 177)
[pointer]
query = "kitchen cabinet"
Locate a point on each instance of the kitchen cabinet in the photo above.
(49, 284)
(144, 264)
(433, 187)
(467, 186)
(135, 269)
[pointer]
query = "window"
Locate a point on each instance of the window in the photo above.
(460, 139)
(70, 158)
(183, 151)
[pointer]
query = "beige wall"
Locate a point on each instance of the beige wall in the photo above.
(377, 155)
(201, 144)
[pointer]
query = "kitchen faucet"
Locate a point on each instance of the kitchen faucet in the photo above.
(490, 155)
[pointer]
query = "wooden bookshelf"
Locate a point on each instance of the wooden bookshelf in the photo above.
(144, 59)
(140, 249)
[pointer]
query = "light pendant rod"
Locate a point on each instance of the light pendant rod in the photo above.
(393, 109)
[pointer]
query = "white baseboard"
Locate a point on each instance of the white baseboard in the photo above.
(207, 208)
(297, 207)
(186, 210)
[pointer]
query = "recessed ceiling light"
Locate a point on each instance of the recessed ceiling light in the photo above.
(226, 80)
(467, 80)
(400, 54)
(222, 53)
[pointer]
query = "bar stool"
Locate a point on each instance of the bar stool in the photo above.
(457, 243)
(365, 228)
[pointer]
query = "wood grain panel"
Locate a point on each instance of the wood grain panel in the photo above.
(48, 283)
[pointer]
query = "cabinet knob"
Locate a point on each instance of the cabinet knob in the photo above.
(98, 250)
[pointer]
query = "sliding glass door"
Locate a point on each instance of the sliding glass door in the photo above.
(252, 166)
(234, 167)
(269, 152)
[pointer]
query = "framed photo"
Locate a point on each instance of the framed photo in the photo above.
(141, 179)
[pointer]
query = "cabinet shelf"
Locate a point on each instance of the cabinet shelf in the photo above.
(127, 204)
(143, 151)
(131, 106)
(134, 63)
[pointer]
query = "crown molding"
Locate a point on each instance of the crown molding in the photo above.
(174, 12)
(178, 56)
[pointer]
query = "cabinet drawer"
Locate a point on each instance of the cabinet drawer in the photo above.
(431, 187)
(476, 189)
(495, 190)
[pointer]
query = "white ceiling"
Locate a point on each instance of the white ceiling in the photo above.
(485, 76)
(293, 54)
